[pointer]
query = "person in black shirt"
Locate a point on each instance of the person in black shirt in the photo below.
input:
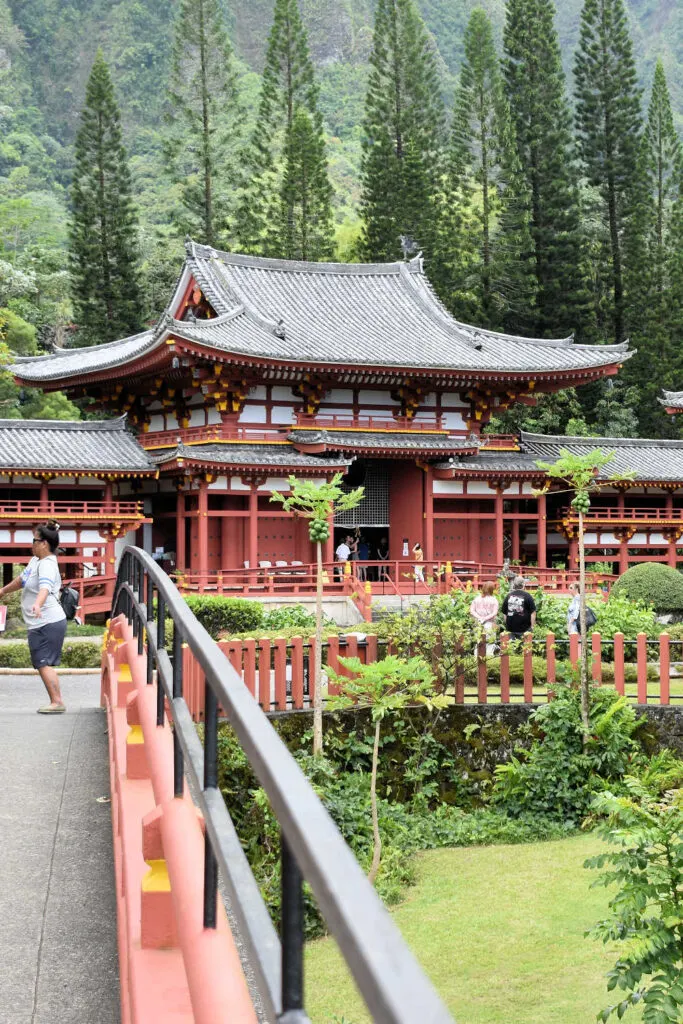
(519, 609)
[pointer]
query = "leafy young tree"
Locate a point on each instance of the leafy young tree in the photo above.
(384, 687)
(285, 171)
(103, 230)
(305, 198)
(318, 503)
(608, 122)
(535, 90)
(580, 473)
(403, 137)
(202, 122)
(646, 864)
(486, 189)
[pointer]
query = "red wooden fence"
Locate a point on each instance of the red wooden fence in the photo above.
(280, 673)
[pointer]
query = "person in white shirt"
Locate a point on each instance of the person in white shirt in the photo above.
(40, 583)
(342, 554)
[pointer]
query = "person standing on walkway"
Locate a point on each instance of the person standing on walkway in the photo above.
(45, 620)
(519, 609)
(574, 609)
(484, 609)
(418, 568)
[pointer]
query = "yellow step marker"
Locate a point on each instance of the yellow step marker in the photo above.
(124, 674)
(135, 736)
(156, 879)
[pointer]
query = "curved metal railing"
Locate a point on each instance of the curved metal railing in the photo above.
(388, 977)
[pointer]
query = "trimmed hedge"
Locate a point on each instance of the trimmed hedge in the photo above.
(225, 614)
(654, 584)
(79, 655)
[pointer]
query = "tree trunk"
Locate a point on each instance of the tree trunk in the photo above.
(585, 718)
(318, 701)
(376, 838)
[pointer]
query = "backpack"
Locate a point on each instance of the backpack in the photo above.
(591, 618)
(69, 601)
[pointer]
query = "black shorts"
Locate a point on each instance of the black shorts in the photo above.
(45, 644)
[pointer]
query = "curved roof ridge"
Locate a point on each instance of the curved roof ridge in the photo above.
(205, 252)
(434, 308)
(265, 322)
(616, 442)
(116, 423)
(671, 397)
(106, 346)
(216, 321)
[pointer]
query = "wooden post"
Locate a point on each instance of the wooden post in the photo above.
(428, 514)
(253, 528)
(515, 540)
(499, 526)
(664, 668)
(619, 663)
(264, 674)
(203, 530)
(180, 552)
(280, 662)
(641, 646)
(44, 493)
(542, 533)
(297, 672)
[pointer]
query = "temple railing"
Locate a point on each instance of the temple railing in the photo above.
(626, 515)
(103, 511)
(208, 434)
(312, 850)
(337, 422)
(499, 442)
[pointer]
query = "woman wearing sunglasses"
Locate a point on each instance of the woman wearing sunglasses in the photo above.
(45, 620)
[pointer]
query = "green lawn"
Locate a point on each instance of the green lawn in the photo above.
(499, 929)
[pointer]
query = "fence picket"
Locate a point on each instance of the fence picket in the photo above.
(619, 663)
(664, 668)
(280, 665)
(264, 674)
(297, 672)
(641, 646)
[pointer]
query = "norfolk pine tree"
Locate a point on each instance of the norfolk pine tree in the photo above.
(202, 121)
(535, 90)
(103, 243)
(273, 196)
(403, 137)
(486, 192)
(608, 122)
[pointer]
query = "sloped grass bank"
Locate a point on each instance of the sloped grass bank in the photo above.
(500, 931)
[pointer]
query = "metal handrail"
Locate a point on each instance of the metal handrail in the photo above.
(388, 977)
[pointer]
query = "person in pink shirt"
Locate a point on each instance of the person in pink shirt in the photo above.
(484, 609)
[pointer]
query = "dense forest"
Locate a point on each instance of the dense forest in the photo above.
(47, 52)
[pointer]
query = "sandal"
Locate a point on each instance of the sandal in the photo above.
(50, 710)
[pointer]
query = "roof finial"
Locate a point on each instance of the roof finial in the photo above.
(189, 245)
(279, 329)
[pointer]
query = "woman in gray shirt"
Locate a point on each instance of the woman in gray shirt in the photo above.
(45, 620)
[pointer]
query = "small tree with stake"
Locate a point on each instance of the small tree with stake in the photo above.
(318, 502)
(580, 474)
(384, 686)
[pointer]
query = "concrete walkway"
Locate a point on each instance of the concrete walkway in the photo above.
(57, 900)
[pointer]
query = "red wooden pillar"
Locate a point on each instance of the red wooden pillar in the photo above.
(671, 551)
(515, 540)
(253, 527)
(499, 526)
(573, 553)
(44, 492)
(328, 548)
(108, 496)
(428, 514)
(623, 550)
(620, 503)
(203, 526)
(110, 564)
(180, 552)
(669, 505)
(542, 533)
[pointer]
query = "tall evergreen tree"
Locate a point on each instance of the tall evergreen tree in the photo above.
(535, 90)
(284, 143)
(103, 229)
(608, 123)
(403, 136)
(487, 194)
(203, 118)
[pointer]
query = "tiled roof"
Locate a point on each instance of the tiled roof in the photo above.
(649, 460)
(359, 440)
(75, 445)
(278, 456)
(674, 399)
(337, 314)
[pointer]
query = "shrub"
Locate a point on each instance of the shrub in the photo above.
(653, 584)
(225, 614)
(557, 777)
(291, 617)
(15, 655)
(74, 655)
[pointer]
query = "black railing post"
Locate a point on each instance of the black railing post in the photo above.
(150, 618)
(210, 782)
(292, 936)
(161, 645)
(178, 762)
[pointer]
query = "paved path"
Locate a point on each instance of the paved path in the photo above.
(57, 898)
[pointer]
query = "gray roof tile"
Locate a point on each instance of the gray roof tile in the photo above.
(76, 445)
(672, 398)
(278, 456)
(408, 441)
(336, 314)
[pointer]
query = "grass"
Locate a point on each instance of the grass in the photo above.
(500, 931)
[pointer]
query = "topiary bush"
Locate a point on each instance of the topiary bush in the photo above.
(225, 614)
(654, 584)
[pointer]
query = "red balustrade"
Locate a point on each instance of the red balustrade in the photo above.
(635, 514)
(208, 434)
(280, 672)
(101, 510)
(370, 423)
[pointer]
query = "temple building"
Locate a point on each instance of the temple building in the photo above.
(263, 368)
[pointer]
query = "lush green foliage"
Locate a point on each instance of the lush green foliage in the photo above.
(225, 614)
(646, 865)
(559, 775)
(290, 617)
(74, 655)
(654, 584)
